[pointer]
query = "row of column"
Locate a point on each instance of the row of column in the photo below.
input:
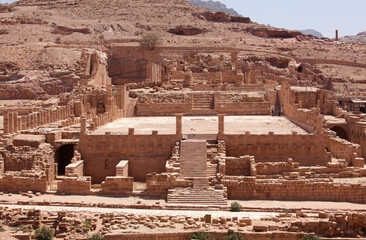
(99, 120)
(14, 123)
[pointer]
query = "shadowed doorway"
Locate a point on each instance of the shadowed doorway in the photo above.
(63, 158)
(340, 132)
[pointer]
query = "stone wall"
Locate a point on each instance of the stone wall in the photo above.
(308, 150)
(117, 186)
(10, 182)
(146, 154)
(239, 166)
(75, 169)
(75, 185)
(208, 77)
(161, 109)
(248, 188)
(159, 184)
(341, 148)
(122, 168)
(216, 235)
(310, 120)
(244, 108)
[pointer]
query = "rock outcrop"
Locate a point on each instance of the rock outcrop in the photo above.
(185, 30)
(221, 17)
(67, 31)
(273, 33)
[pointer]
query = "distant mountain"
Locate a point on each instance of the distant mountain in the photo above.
(312, 32)
(214, 6)
(359, 38)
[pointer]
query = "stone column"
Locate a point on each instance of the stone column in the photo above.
(11, 122)
(221, 123)
(39, 119)
(15, 122)
(109, 99)
(234, 57)
(83, 125)
(178, 123)
(6, 122)
(123, 94)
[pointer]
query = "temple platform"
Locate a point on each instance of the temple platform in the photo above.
(202, 125)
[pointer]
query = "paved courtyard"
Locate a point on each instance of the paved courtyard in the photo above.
(203, 125)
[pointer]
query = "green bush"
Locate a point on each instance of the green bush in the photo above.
(43, 233)
(2, 229)
(96, 237)
(87, 225)
(235, 207)
(149, 41)
(202, 236)
(309, 237)
(233, 236)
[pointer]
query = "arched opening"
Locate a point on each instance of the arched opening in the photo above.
(340, 132)
(63, 158)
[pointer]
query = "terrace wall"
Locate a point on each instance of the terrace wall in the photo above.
(146, 154)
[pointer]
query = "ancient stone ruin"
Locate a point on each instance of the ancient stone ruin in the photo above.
(106, 137)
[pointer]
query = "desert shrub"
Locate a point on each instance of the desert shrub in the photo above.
(2, 229)
(43, 233)
(58, 40)
(202, 236)
(309, 237)
(235, 207)
(96, 237)
(149, 41)
(87, 225)
(233, 236)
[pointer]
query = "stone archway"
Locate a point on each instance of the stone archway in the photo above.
(63, 157)
(340, 132)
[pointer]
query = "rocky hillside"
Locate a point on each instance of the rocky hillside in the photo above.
(359, 38)
(312, 32)
(214, 6)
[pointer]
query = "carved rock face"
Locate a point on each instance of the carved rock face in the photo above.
(185, 30)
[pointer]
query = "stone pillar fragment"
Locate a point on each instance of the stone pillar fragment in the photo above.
(221, 123)
(83, 125)
(178, 123)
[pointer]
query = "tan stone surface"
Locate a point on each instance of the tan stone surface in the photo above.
(203, 125)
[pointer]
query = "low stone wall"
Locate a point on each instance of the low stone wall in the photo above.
(341, 148)
(248, 188)
(146, 154)
(74, 185)
(117, 186)
(310, 120)
(216, 235)
(239, 166)
(75, 169)
(122, 168)
(11, 183)
(162, 109)
(244, 108)
(208, 77)
(308, 150)
(158, 184)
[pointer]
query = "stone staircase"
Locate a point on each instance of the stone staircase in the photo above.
(203, 101)
(195, 196)
(192, 153)
(195, 167)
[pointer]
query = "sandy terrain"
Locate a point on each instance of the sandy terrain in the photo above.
(203, 125)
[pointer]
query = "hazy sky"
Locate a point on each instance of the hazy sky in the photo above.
(325, 16)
